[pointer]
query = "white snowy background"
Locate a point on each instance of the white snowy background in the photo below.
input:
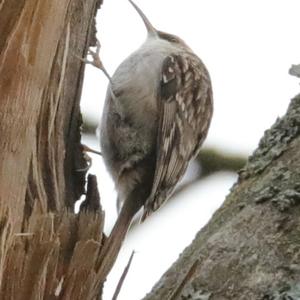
(248, 47)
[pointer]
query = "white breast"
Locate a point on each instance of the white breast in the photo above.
(136, 80)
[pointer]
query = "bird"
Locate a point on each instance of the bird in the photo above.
(157, 113)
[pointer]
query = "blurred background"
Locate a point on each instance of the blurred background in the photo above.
(248, 47)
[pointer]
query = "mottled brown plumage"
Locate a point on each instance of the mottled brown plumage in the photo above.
(185, 110)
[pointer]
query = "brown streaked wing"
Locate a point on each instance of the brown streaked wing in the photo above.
(185, 110)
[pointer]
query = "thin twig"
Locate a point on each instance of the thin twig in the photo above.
(185, 280)
(124, 274)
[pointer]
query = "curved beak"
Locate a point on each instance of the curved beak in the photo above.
(150, 29)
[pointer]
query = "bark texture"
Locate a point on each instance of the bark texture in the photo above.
(46, 251)
(250, 249)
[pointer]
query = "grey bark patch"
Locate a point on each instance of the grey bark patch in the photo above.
(287, 292)
(265, 194)
(275, 141)
(295, 70)
(287, 199)
(195, 294)
(280, 186)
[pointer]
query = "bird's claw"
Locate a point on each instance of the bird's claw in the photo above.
(95, 59)
(87, 158)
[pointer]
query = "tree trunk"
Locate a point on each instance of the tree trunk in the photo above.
(46, 251)
(250, 249)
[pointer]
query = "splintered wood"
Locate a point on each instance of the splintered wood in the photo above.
(46, 250)
(55, 258)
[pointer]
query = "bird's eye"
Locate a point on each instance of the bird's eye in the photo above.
(168, 37)
(173, 40)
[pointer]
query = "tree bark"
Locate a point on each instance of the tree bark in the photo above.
(250, 249)
(46, 251)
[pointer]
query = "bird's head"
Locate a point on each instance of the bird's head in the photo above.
(154, 33)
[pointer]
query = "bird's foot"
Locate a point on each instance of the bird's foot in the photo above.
(87, 158)
(95, 59)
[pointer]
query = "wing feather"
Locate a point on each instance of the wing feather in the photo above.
(185, 110)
